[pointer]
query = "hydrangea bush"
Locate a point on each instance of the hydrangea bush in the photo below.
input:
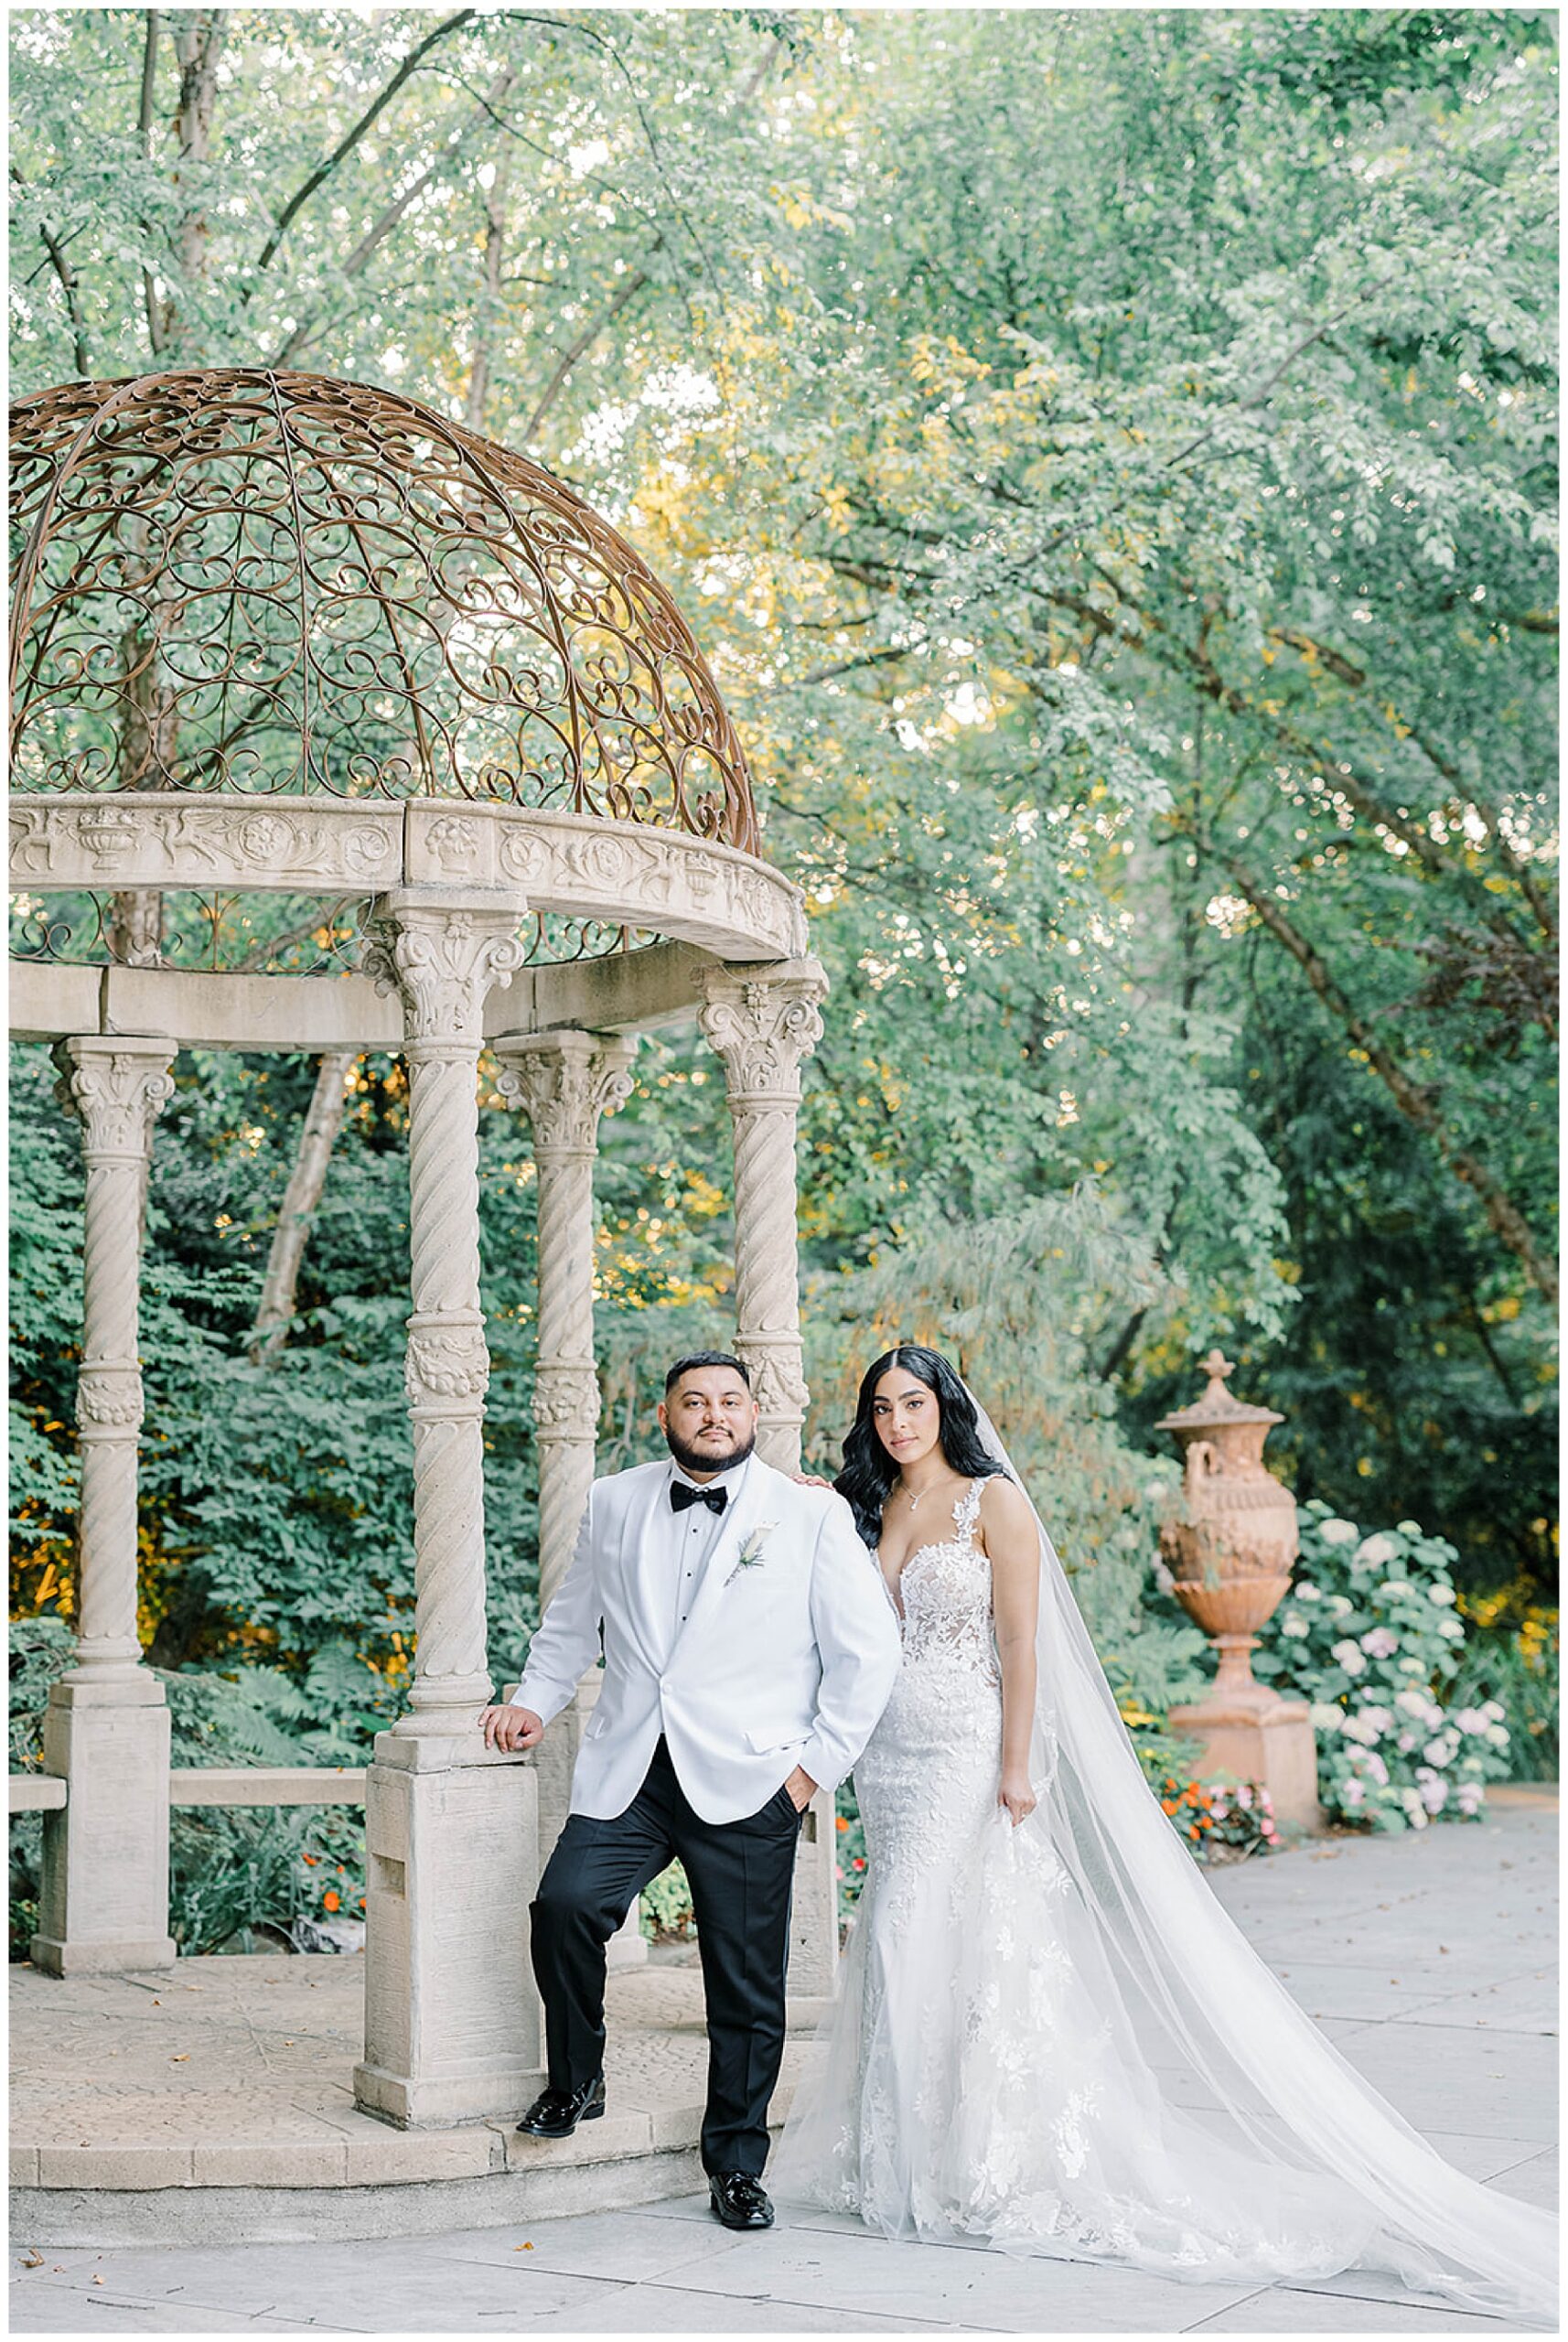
(1370, 1634)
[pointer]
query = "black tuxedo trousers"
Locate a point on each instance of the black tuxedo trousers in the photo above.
(741, 1875)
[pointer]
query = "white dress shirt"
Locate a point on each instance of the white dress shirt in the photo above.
(681, 1542)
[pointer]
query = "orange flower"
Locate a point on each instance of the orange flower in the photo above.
(1168, 1804)
(840, 1823)
(311, 1859)
(361, 1902)
(1195, 1831)
(331, 1899)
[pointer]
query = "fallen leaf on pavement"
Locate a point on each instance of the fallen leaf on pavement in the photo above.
(32, 2259)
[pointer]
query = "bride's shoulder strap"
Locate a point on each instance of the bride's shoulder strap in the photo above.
(966, 1511)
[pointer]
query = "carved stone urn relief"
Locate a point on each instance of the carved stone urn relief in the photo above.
(1228, 1539)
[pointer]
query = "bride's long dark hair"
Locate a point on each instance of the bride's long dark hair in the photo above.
(869, 1471)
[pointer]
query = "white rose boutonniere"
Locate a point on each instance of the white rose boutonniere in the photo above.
(753, 1552)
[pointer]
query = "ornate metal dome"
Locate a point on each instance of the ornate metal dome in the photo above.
(283, 584)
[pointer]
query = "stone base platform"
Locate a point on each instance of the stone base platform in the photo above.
(212, 2102)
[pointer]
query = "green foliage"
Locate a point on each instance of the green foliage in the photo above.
(1516, 1663)
(849, 1848)
(232, 1871)
(1108, 458)
(665, 1911)
(1371, 1635)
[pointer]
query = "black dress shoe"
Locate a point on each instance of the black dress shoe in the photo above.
(556, 2113)
(740, 2200)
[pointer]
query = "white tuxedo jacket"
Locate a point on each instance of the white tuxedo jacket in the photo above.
(789, 1662)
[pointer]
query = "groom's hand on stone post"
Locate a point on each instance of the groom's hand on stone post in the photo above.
(801, 1788)
(510, 1729)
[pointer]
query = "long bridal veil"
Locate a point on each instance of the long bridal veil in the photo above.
(1255, 2106)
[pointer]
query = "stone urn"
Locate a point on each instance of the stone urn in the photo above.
(1228, 1539)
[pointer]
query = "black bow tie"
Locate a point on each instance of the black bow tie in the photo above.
(682, 1498)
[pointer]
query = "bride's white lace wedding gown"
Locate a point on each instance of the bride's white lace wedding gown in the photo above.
(983, 2076)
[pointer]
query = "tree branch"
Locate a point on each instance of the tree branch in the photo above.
(848, 666)
(1355, 678)
(580, 347)
(381, 228)
(1418, 1105)
(351, 139)
(69, 286)
(1255, 397)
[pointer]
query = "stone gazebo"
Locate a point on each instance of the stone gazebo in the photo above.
(276, 635)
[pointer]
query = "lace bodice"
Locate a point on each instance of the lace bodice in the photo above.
(944, 1591)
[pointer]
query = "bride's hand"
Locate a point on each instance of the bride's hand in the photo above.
(810, 1480)
(1017, 1796)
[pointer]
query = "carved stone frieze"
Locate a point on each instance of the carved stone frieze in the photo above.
(777, 1384)
(239, 841)
(665, 881)
(108, 1397)
(566, 1402)
(452, 1364)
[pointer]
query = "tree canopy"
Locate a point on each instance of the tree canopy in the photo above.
(1108, 458)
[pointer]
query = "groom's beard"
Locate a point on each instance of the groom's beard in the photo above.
(697, 1461)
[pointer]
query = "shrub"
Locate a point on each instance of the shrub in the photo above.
(666, 1908)
(1370, 1634)
(1512, 1654)
(232, 1871)
(1221, 1815)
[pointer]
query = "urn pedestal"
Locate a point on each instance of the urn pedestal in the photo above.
(1229, 1541)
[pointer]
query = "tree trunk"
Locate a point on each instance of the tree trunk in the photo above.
(199, 43)
(148, 722)
(323, 1120)
(487, 322)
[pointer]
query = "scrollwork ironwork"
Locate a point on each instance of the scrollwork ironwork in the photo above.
(283, 584)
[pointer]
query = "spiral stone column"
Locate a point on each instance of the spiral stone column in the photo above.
(565, 1081)
(104, 1900)
(763, 1021)
(451, 2016)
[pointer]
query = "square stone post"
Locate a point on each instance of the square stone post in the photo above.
(104, 1900)
(451, 2014)
(763, 1021)
(565, 1081)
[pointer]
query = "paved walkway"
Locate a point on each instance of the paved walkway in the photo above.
(1428, 1959)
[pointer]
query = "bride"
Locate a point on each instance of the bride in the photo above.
(1050, 2036)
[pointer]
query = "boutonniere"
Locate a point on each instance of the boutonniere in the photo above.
(753, 1552)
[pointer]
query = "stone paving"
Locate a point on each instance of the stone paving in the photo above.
(1429, 1959)
(237, 2074)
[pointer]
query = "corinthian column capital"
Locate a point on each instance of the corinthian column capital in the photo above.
(116, 1087)
(565, 1082)
(444, 951)
(763, 1021)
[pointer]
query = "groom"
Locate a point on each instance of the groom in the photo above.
(750, 1647)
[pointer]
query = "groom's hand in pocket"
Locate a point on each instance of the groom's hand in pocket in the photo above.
(801, 1788)
(510, 1729)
